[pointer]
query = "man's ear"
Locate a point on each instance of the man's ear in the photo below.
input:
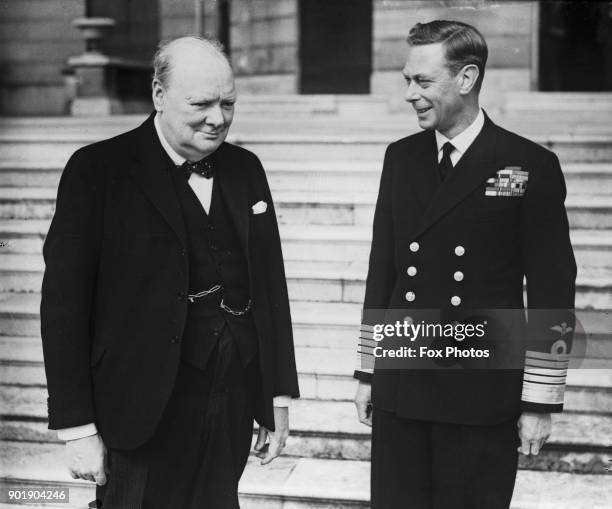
(468, 77)
(158, 93)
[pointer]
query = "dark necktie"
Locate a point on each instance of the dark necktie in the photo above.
(446, 165)
(203, 167)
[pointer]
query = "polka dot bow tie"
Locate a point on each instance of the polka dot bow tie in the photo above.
(203, 167)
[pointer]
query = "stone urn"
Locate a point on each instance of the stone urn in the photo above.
(93, 30)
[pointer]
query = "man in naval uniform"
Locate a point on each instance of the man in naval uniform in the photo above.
(465, 211)
(165, 317)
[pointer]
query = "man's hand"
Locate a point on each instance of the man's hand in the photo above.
(86, 459)
(363, 402)
(278, 438)
(534, 430)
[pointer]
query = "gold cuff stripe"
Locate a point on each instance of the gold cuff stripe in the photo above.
(545, 380)
(539, 363)
(545, 371)
(367, 341)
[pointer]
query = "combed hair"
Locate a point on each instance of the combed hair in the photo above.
(463, 44)
(162, 60)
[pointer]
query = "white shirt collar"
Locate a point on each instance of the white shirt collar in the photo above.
(463, 140)
(176, 158)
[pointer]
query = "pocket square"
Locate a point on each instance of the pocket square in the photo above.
(259, 208)
(511, 181)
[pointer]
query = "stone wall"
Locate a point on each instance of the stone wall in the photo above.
(264, 45)
(510, 29)
(36, 38)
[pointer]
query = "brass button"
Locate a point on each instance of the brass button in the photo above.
(410, 296)
(455, 300)
(459, 250)
(411, 271)
(414, 247)
(458, 276)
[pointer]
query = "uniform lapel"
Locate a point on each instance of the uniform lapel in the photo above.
(152, 173)
(424, 175)
(476, 165)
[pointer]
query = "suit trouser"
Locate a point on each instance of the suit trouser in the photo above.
(202, 443)
(428, 465)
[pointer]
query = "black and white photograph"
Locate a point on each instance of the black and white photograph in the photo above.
(306, 254)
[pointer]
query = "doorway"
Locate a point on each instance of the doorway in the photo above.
(335, 46)
(575, 46)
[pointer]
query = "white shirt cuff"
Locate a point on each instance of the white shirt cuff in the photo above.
(77, 432)
(282, 401)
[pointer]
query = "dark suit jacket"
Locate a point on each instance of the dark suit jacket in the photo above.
(504, 238)
(112, 312)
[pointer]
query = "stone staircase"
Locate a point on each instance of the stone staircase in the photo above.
(323, 163)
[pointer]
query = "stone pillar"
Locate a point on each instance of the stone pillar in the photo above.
(106, 85)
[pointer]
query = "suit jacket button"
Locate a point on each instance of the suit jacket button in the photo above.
(458, 276)
(410, 296)
(411, 271)
(175, 339)
(459, 250)
(455, 300)
(414, 247)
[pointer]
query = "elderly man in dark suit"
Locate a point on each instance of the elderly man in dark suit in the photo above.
(165, 318)
(465, 211)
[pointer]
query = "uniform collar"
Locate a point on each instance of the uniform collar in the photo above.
(463, 140)
(176, 158)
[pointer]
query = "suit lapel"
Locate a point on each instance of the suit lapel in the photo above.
(152, 173)
(476, 165)
(234, 188)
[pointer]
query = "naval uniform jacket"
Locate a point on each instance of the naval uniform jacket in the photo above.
(113, 308)
(465, 225)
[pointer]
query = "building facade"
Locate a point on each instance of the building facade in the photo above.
(304, 46)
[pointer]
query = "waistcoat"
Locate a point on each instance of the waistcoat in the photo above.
(216, 257)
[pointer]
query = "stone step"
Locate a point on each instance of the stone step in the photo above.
(330, 429)
(581, 178)
(325, 368)
(308, 281)
(302, 207)
(309, 483)
(319, 243)
(292, 106)
(314, 176)
(592, 248)
(583, 103)
(316, 324)
(300, 144)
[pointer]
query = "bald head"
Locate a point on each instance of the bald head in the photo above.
(188, 52)
(194, 95)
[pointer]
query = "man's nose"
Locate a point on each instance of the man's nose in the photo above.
(412, 94)
(214, 115)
